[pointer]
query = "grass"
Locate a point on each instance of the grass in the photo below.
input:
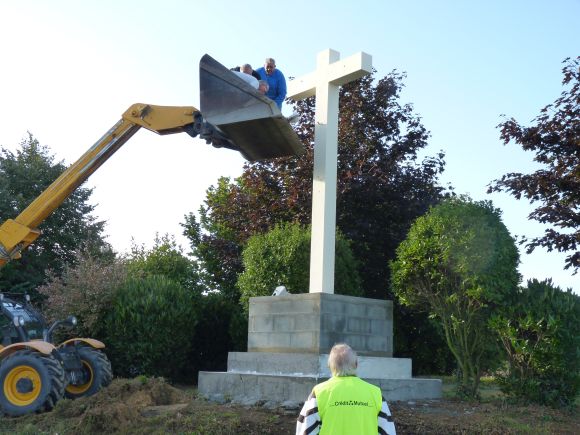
(118, 409)
(514, 424)
(488, 388)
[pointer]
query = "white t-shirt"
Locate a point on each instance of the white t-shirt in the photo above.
(248, 78)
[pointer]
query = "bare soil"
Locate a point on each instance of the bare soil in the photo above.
(151, 406)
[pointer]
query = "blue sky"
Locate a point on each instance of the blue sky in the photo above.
(70, 68)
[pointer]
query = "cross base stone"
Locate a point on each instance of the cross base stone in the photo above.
(314, 322)
(289, 338)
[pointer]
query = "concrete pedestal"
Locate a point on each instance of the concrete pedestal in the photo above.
(289, 338)
(314, 322)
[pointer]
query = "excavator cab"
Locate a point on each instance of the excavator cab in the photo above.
(252, 122)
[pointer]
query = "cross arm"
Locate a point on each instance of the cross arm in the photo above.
(337, 73)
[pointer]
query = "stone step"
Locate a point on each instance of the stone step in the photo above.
(308, 364)
(244, 387)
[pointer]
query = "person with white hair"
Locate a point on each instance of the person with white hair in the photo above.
(345, 404)
(248, 75)
(247, 68)
(276, 81)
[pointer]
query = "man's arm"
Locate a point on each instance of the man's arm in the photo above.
(386, 424)
(281, 95)
(309, 420)
(261, 72)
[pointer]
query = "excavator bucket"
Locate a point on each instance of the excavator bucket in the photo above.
(247, 118)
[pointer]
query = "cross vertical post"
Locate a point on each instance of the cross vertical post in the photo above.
(324, 83)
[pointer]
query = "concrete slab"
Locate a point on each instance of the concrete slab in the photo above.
(307, 364)
(242, 386)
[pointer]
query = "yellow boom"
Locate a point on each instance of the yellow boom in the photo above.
(241, 119)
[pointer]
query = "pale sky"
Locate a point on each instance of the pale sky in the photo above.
(69, 69)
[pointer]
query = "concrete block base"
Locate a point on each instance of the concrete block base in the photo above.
(289, 338)
(284, 377)
(314, 322)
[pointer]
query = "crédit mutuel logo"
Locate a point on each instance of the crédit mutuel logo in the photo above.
(349, 403)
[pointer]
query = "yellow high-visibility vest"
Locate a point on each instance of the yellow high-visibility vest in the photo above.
(347, 405)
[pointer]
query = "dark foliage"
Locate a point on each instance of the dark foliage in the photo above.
(420, 338)
(555, 140)
(213, 337)
(539, 332)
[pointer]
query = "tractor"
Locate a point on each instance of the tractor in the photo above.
(34, 372)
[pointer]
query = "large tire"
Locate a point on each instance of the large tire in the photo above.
(98, 372)
(30, 382)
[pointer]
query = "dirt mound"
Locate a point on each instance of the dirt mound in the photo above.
(120, 405)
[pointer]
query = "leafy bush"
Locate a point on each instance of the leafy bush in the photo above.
(458, 262)
(149, 328)
(85, 290)
(164, 258)
(539, 332)
(282, 257)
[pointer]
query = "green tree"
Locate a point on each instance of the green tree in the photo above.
(164, 258)
(215, 246)
(539, 331)
(282, 257)
(24, 175)
(555, 140)
(459, 262)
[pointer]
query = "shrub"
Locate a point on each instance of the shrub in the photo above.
(282, 257)
(149, 328)
(457, 263)
(212, 337)
(164, 258)
(539, 332)
(85, 290)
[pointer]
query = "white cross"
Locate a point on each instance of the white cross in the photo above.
(324, 82)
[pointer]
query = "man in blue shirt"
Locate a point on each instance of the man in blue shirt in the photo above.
(276, 81)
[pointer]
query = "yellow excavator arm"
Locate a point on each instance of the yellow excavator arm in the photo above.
(16, 234)
(239, 118)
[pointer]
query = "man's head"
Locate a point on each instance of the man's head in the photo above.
(342, 360)
(263, 86)
(246, 68)
(269, 65)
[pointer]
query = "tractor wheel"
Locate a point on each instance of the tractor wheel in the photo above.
(30, 382)
(97, 373)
